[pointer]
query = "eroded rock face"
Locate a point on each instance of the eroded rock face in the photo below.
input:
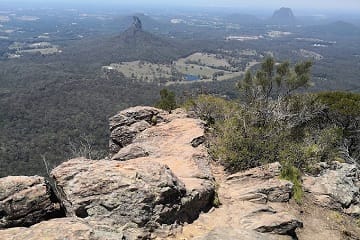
(177, 141)
(252, 207)
(160, 175)
(337, 187)
(25, 201)
(134, 191)
(125, 125)
(137, 23)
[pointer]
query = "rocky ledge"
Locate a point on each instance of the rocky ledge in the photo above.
(158, 183)
(25, 201)
(158, 178)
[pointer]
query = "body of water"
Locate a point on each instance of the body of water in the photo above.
(189, 77)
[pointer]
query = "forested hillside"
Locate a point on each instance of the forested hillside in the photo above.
(56, 97)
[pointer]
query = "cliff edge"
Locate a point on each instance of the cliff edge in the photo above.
(159, 183)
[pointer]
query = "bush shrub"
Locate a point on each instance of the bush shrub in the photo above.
(298, 131)
(167, 100)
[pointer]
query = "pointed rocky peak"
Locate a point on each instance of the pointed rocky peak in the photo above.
(134, 31)
(137, 25)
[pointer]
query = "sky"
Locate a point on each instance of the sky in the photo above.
(319, 4)
(353, 5)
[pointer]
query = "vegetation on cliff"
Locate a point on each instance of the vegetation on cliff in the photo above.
(270, 123)
(167, 100)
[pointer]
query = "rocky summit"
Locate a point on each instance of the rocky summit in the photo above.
(159, 183)
(283, 16)
(137, 23)
(134, 29)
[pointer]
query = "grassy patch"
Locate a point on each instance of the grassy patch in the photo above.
(293, 175)
(205, 66)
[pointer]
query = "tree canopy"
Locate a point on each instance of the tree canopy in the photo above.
(167, 100)
(275, 80)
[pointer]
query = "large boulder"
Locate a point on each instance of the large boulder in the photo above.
(125, 125)
(25, 201)
(268, 220)
(136, 191)
(336, 187)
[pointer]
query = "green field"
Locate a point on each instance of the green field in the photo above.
(205, 66)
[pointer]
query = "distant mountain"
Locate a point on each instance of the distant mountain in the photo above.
(283, 16)
(144, 45)
(337, 29)
(149, 24)
(131, 32)
(132, 44)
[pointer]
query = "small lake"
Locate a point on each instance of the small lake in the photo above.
(189, 77)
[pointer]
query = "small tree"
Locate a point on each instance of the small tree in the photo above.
(274, 80)
(167, 100)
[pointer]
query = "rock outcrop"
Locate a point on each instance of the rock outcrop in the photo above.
(261, 185)
(337, 187)
(158, 183)
(125, 125)
(137, 23)
(160, 174)
(174, 140)
(135, 191)
(25, 201)
(251, 204)
(134, 31)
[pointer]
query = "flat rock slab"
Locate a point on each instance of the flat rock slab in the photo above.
(254, 206)
(237, 234)
(25, 201)
(170, 144)
(55, 229)
(261, 185)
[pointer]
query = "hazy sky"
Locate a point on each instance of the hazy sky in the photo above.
(319, 4)
(353, 5)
